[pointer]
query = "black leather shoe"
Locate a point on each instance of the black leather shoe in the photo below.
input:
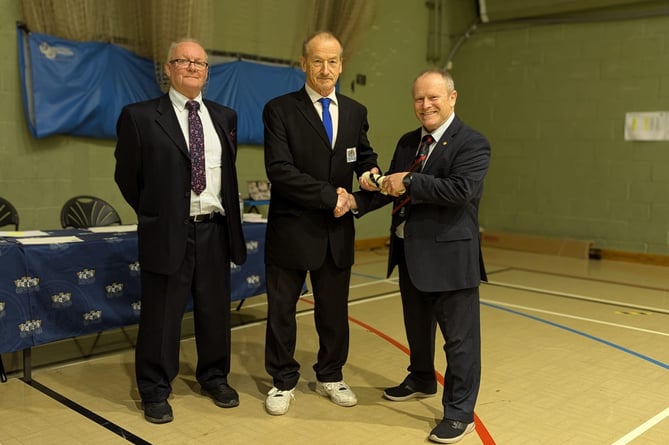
(223, 395)
(450, 431)
(406, 391)
(158, 412)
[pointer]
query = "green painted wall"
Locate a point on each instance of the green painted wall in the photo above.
(551, 99)
(392, 53)
(39, 175)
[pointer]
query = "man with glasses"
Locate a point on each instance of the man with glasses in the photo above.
(175, 166)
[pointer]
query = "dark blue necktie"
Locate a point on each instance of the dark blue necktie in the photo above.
(327, 119)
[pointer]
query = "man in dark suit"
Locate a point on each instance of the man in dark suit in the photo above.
(189, 227)
(309, 227)
(435, 243)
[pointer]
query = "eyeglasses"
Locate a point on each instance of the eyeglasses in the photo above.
(185, 63)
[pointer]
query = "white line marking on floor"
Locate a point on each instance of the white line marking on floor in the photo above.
(560, 314)
(638, 431)
(577, 296)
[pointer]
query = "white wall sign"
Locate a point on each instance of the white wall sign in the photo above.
(647, 126)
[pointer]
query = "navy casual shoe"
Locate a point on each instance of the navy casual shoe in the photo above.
(450, 431)
(158, 412)
(406, 391)
(224, 396)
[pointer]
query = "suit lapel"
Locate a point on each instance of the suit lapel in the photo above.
(443, 144)
(343, 120)
(167, 119)
(409, 155)
(311, 115)
(226, 135)
(228, 154)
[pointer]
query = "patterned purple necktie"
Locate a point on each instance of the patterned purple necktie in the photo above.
(198, 179)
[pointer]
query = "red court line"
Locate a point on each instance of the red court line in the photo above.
(481, 430)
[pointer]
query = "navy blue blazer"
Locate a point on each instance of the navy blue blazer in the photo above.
(441, 233)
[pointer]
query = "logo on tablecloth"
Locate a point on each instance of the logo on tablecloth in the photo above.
(86, 276)
(252, 246)
(234, 268)
(26, 284)
(134, 268)
(136, 307)
(91, 317)
(61, 300)
(114, 290)
(253, 281)
(2, 309)
(30, 327)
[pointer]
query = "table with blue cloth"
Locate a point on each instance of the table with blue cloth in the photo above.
(56, 290)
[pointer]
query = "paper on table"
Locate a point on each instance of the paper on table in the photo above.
(50, 240)
(254, 218)
(113, 229)
(22, 233)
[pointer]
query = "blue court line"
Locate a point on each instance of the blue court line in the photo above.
(559, 326)
(574, 331)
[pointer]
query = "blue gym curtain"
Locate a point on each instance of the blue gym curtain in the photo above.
(79, 88)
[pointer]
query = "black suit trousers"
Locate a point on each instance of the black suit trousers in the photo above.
(457, 313)
(204, 274)
(330, 288)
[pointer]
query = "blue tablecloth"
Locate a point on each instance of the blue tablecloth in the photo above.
(14, 299)
(49, 292)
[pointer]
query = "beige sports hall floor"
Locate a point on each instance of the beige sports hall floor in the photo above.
(574, 352)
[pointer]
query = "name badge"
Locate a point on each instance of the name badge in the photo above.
(351, 154)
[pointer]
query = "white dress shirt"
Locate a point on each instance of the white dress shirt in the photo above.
(334, 108)
(210, 199)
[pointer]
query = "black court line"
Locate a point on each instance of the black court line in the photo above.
(585, 298)
(127, 435)
(505, 269)
(548, 291)
(582, 278)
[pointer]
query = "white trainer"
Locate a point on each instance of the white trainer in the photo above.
(339, 392)
(278, 401)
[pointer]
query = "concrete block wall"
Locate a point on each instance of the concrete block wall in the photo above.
(552, 99)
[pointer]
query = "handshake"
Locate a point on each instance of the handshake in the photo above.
(345, 202)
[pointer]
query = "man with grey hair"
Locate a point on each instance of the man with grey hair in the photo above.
(436, 183)
(315, 141)
(175, 166)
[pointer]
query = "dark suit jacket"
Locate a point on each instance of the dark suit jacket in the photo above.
(441, 234)
(304, 172)
(153, 174)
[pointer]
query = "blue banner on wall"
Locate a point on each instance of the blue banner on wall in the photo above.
(79, 88)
